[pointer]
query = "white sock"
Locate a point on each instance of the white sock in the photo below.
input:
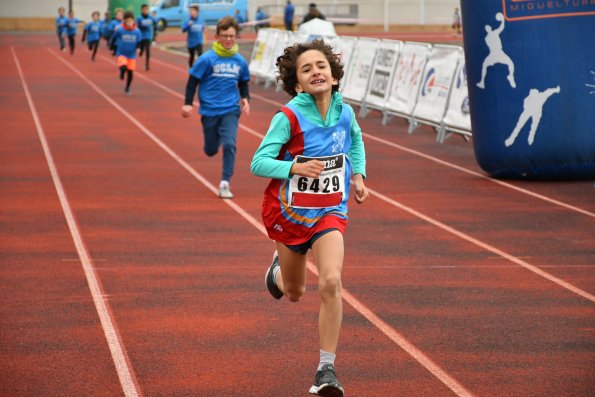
(326, 358)
(223, 184)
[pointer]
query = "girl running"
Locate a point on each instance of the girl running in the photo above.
(126, 39)
(310, 151)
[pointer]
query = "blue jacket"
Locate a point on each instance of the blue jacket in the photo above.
(195, 29)
(145, 25)
(126, 41)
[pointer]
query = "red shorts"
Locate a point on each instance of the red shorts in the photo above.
(129, 63)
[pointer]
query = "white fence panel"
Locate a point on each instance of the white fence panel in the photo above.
(436, 84)
(360, 67)
(283, 40)
(343, 47)
(383, 70)
(407, 79)
(457, 117)
(267, 54)
(257, 50)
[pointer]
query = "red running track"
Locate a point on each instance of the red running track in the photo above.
(473, 287)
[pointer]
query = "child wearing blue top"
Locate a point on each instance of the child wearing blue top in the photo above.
(61, 26)
(127, 37)
(223, 77)
(92, 33)
(71, 30)
(195, 29)
(105, 33)
(312, 149)
(146, 25)
(112, 27)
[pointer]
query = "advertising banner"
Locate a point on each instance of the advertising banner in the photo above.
(383, 70)
(360, 67)
(457, 113)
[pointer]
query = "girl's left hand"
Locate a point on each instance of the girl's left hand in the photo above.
(361, 193)
(245, 106)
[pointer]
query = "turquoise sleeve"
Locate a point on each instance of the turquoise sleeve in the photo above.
(357, 152)
(264, 162)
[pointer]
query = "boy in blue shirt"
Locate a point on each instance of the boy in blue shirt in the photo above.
(127, 38)
(146, 25)
(111, 28)
(223, 77)
(92, 33)
(195, 29)
(61, 26)
(105, 33)
(71, 30)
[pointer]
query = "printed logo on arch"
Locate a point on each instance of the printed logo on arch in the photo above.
(517, 10)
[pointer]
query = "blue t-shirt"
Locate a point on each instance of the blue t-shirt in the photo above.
(72, 25)
(145, 25)
(195, 30)
(113, 25)
(127, 42)
(93, 31)
(61, 24)
(218, 79)
(260, 15)
(289, 10)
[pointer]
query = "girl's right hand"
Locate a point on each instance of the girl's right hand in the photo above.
(310, 169)
(186, 111)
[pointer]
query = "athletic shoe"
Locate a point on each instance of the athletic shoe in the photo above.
(127, 91)
(269, 278)
(326, 383)
(224, 191)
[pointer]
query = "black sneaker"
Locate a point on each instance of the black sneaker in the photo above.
(326, 383)
(269, 278)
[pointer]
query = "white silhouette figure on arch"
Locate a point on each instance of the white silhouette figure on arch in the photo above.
(532, 109)
(497, 54)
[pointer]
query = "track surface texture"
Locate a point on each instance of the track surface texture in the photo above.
(122, 273)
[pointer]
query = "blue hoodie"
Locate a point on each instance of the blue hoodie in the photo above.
(195, 29)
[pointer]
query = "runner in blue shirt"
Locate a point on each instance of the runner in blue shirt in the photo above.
(146, 25)
(71, 30)
(195, 29)
(105, 32)
(61, 26)
(92, 33)
(127, 37)
(223, 77)
(111, 28)
(288, 15)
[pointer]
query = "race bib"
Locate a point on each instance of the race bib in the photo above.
(325, 191)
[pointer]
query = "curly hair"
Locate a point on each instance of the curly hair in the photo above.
(287, 64)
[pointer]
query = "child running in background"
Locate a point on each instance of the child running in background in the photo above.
(312, 148)
(92, 33)
(105, 32)
(223, 76)
(195, 30)
(456, 21)
(146, 24)
(61, 27)
(112, 27)
(71, 30)
(127, 38)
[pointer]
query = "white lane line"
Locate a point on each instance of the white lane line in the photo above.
(119, 356)
(386, 329)
(439, 224)
(428, 157)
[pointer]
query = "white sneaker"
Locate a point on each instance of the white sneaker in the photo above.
(224, 191)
